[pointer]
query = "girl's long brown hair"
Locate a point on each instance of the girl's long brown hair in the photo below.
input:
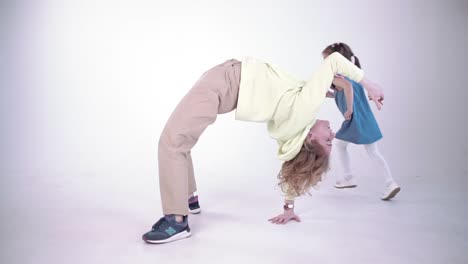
(344, 50)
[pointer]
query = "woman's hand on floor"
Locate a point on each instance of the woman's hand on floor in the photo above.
(285, 217)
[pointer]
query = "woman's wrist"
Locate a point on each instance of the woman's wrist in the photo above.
(288, 206)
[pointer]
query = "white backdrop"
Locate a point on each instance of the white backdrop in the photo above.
(88, 85)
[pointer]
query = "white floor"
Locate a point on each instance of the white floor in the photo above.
(60, 218)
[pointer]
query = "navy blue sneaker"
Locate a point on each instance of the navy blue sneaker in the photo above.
(194, 206)
(167, 230)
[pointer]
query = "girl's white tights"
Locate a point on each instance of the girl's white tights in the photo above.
(372, 151)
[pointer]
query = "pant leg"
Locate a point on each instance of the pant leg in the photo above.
(374, 154)
(192, 184)
(215, 92)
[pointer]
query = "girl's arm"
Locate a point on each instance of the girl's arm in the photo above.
(342, 83)
(374, 92)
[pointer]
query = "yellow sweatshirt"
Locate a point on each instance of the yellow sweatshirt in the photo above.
(289, 106)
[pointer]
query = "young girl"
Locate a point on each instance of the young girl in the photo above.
(260, 92)
(359, 127)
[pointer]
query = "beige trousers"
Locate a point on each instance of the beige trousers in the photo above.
(214, 93)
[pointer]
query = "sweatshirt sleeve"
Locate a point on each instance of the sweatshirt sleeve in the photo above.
(288, 193)
(316, 87)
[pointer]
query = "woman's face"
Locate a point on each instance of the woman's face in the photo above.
(322, 133)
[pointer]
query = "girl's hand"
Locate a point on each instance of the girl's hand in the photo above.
(348, 114)
(330, 94)
(285, 217)
(374, 92)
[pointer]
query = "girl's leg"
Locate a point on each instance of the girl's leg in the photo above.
(348, 181)
(391, 187)
(342, 148)
(374, 154)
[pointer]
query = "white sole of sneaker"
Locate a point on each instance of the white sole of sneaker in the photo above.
(195, 211)
(392, 194)
(345, 186)
(181, 235)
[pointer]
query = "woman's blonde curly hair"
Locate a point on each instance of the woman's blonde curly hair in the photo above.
(298, 175)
